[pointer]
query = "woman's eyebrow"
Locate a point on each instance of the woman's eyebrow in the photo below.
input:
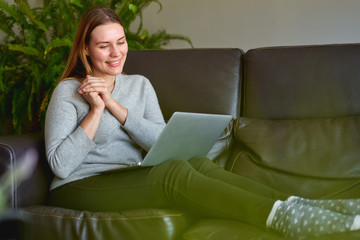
(102, 42)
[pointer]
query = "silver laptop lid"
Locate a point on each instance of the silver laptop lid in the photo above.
(186, 135)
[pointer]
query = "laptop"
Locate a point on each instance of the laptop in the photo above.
(185, 136)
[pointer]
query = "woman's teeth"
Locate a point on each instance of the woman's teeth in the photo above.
(115, 63)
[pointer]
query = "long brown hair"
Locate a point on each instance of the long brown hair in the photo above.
(79, 64)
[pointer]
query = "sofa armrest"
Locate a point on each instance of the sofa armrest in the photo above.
(33, 190)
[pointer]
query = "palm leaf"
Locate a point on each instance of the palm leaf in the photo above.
(24, 7)
(13, 12)
(77, 3)
(24, 49)
(57, 42)
(6, 25)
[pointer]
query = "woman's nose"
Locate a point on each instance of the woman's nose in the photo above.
(115, 51)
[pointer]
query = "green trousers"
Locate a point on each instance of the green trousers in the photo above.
(197, 185)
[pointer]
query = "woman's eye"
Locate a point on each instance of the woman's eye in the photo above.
(121, 43)
(103, 46)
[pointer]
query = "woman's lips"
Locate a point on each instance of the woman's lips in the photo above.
(114, 63)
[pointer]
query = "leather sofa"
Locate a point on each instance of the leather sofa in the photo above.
(295, 128)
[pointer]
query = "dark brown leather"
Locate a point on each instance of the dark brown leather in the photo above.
(302, 82)
(57, 223)
(191, 80)
(219, 229)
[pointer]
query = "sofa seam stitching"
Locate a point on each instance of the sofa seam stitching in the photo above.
(100, 219)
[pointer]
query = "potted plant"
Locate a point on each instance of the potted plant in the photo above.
(36, 44)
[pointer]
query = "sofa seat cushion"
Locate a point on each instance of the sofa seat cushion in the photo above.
(44, 222)
(218, 229)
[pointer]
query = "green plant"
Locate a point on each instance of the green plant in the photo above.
(36, 44)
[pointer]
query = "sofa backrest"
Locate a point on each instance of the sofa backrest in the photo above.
(302, 82)
(191, 80)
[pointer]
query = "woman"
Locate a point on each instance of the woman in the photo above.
(99, 119)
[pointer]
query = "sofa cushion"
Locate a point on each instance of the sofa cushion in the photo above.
(44, 222)
(218, 229)
(328, 148)
(221, 150)
(302, 81)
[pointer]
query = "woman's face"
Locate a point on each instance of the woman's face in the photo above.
(107, 50)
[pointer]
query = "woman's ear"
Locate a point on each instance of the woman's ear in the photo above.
(86, 50)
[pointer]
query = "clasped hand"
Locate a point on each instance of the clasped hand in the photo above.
(95, 91)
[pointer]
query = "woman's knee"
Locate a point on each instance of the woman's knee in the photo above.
(172, 174)
(202, 164)
(176, 164)
(173, 167)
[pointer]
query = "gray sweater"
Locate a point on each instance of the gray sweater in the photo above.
(72, 155)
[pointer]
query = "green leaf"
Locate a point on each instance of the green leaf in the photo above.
(133, 8)
(76, 3)
(145, 34)
(6, 25)
(7, 68)
(30, 14)
(57, 42)
(12, 11)
(24, 49)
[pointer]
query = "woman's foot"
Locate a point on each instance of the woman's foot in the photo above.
(345, 206)
(300, 221)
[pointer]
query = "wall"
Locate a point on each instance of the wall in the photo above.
(249, 24)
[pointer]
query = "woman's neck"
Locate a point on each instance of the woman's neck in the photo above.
(110, 83)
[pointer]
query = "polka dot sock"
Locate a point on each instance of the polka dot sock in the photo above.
(345, 206)
(298, 221)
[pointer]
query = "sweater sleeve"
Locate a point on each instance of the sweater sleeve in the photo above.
(66, 142)
(145, 127)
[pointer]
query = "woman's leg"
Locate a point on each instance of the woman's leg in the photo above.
(172, 184)
(205, 166)
(115, 191)
(184, 186)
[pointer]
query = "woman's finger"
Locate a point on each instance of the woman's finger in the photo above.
(90, 80)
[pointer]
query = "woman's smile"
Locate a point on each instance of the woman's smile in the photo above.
(114, 63)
